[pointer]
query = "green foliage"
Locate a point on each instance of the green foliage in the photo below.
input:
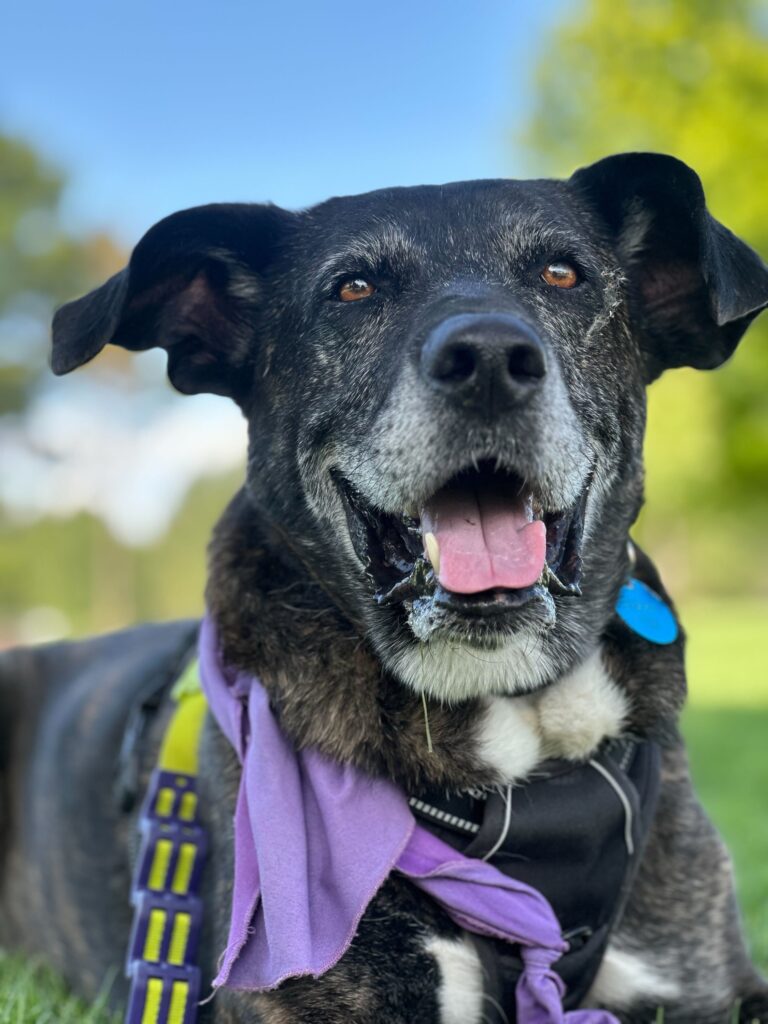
(726, 652)
(35, 254)
(689, 78)
(76, 567)
(40, 266)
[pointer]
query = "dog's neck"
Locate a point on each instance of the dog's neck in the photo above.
(330, 690)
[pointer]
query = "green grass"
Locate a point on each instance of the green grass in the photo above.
(31, 994)
(727, 747)
(726, 726)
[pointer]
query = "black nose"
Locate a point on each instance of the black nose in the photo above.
(487, 362)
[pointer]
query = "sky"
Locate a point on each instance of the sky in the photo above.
(151, 107)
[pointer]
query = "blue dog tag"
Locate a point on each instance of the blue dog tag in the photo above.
(646, 613)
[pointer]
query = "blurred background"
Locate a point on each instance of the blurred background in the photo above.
(113, 116)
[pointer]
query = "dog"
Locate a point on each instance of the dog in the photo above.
(444, 388)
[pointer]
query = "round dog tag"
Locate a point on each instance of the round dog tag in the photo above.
(646, 613)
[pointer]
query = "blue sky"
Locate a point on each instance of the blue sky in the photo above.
(150, 107)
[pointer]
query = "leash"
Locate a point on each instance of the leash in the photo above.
(167, 909)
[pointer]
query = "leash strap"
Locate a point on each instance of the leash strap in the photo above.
(167, 910)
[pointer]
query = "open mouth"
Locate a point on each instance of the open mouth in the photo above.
(481, 545)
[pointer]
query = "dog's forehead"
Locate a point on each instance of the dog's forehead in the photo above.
(433, 215)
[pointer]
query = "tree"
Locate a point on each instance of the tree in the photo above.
(41, 265)
(688, 77)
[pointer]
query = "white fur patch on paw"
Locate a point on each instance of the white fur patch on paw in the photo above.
(508, 738)
(627, 978)
(580, 710)
(460, 994)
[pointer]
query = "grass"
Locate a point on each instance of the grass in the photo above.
(726, 727)
(31, 994)
(730, 768)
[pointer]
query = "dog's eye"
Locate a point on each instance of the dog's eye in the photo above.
(560, 274)
(354, 289)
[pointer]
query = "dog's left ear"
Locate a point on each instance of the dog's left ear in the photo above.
(192, 287)
(694, 287)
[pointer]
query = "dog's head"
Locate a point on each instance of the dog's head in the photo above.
(444, 388)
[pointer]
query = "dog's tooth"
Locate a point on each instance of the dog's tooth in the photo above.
(433, 550)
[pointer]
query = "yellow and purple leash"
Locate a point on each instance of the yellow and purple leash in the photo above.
(165, 893)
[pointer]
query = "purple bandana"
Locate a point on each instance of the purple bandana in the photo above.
(315, 840)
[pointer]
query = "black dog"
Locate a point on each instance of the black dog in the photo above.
(425, 372)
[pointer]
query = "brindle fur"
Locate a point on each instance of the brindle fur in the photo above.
(229, 292)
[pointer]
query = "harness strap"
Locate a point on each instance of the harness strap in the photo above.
(575, 831)
(167, 919)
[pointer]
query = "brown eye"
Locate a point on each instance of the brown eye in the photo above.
(560, 274)
(354, 289)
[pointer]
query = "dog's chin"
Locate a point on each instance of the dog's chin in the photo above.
(456, 664)
(454, 648)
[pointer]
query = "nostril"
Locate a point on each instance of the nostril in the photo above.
(456, 363)
(525, 362)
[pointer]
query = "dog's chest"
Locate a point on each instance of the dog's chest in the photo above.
(568, 720)
(568, 817)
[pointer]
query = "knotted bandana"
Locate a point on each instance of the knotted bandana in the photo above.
(314, 842)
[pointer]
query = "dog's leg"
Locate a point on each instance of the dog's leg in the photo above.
(679, 944)
(395, 972)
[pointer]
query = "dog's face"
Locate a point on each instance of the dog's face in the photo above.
(445, 390)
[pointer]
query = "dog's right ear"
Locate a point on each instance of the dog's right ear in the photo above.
(191, 287)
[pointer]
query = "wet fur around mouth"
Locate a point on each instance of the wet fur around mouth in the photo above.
(318, 584)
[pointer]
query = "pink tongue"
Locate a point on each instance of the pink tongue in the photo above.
(486, 539)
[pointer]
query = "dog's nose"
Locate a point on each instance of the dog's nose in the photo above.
(487, 362)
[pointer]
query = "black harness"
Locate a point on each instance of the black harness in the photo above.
(573, 831)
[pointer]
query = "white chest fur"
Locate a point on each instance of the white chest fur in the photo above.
(569, 719)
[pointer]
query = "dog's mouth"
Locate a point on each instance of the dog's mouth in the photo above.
(483, 544)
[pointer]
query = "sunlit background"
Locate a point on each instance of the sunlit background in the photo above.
(111, 118)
